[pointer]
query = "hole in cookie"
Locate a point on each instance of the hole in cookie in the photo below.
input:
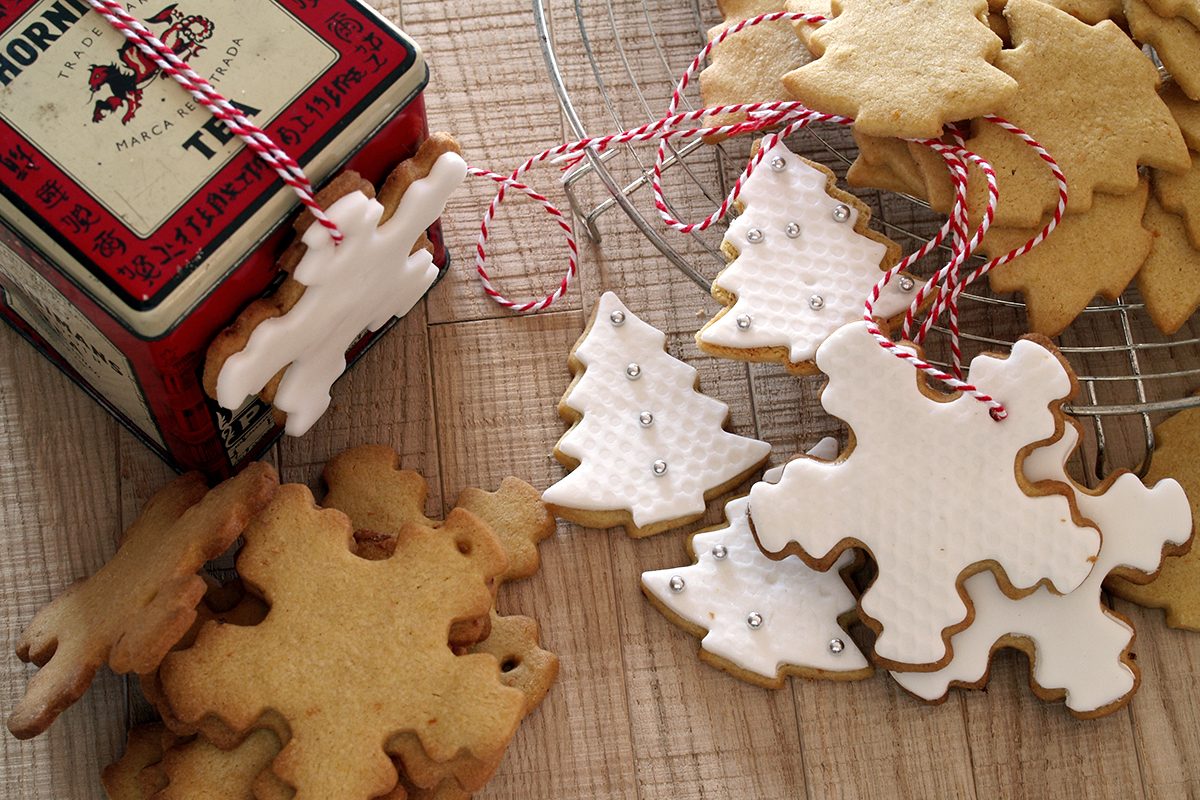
(509, 664)
(464, 547)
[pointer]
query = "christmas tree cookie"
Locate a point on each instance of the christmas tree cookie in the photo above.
(803, 265)
(646, 448)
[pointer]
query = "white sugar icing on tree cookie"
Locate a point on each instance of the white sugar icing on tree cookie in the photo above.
(761, 619)
(357, 286)
(930, 489)
(805, 266)
(1077, 646)
(650, 448)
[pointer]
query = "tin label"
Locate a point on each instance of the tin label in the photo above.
(77, 340)
(98, 88)
(138, 182)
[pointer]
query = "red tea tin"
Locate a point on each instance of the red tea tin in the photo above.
(134, 226)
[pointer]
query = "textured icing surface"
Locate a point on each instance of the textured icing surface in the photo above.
(618, 453)
(351, 288)
(775, 279)
(929, 488)
(1078, 643)
(798, 605)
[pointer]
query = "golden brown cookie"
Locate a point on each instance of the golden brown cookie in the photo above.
(352, 659)
(903, 67)
(1185, 111)
(748, 66)
(1116, 119)
(144, 747)
(1169, 281)
(1091, 11)
(1176, 589)
(139, 604)
(1094, 253)
(1180, 194)
(1187, 9)
(1174, 39)
(198, 770)
(235, 337)
(886, 163)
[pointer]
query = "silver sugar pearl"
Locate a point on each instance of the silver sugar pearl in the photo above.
(676, 583)
(754, 235)
(906, 283)
(816, 302)
(617, 318)
(646, 419)
(754, 621)
(633, 372)
(835, 645)
(659, 467)
(743, 322)
(792, 230)
(778, 164)
(719, 552)
(841, 213)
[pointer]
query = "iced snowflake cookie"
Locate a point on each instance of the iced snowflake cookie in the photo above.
(761, 620)
(926, 543)
(803, 263)
(1078, 648)
(646, 449)
(290, 347)
(903, 67)
(1176, 589)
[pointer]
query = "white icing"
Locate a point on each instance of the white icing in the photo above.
(351, 288)
(617, 452)
(930, 488)
(774, 279)
(799, 606)
(1078, 643)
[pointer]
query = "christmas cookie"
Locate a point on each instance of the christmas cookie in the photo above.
(1180, 195)
(1078, 648)
(1091, 11)
(1187, 9)
(1177, 587)
(1186, 112)
(803, 263)
(1116, 121)
(924, 548)
(646, 449)
(886, 163)
(761, 620)
(1175, 40)
(352, 680)
(1169, 280)
(290, 347)
(127, 778)
(197, 770)
(142, 602)
(903, 67)
(1097, 252)
(748, 66)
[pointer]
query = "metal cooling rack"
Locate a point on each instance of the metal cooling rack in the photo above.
(613, 64)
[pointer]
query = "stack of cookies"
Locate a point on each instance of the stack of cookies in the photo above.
(1073, 74)
(358, 655)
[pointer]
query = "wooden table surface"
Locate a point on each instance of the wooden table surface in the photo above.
(467, 392)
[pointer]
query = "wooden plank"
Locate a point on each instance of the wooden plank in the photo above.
(60, 517)
(497, 383)
(1166, 709)
(487, 86)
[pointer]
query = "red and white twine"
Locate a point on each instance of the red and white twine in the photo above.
(778, 118)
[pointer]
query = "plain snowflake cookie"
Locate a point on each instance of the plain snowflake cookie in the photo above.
(1078, 648)
(930, 533)
(803, 264)
(761, 619)
(646, 449)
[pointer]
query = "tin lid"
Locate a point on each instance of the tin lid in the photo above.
(120, 177)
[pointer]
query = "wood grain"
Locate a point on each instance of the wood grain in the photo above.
(466, 393)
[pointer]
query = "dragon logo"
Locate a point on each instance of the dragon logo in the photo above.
(125, 80)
